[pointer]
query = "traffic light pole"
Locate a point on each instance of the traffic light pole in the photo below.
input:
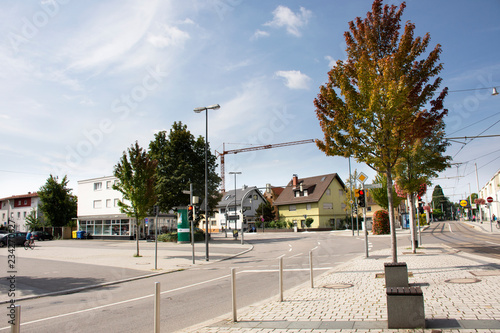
(192, 220)
(364, 220)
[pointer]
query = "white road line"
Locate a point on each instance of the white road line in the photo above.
(296, 255)
(286, 270)
(492, 243)
(117, 303)
(449, 227)
(290, 249)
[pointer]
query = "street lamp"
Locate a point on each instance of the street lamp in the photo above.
(235, 211)
(198, 110)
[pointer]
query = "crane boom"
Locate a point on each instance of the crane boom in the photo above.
(243, 150)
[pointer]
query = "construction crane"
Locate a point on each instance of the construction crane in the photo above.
(243, 150)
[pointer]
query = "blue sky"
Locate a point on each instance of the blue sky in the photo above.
(82, 81)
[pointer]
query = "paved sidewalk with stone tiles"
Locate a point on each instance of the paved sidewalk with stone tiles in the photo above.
(461, 294)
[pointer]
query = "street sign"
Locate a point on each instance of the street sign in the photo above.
(362, 177)
(463, 203)
(489, 199)
(376, 185)
(146, 220)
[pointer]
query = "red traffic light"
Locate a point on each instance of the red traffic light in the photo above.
(361, 192)
(190, 207)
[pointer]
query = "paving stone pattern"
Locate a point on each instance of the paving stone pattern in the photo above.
(449, 307)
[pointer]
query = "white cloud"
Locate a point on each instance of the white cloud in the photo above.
(285, 17)
(294, 79)
(170, 36)
(259, 33)
(331, 62)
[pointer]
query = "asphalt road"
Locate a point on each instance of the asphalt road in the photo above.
(194, 295)
(203, 293)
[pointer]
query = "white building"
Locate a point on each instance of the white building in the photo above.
(17, 208)
(231, 210)
(491, 189)
(99, 214)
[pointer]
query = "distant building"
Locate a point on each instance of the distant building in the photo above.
(99, 214)
(320, 198)
(271, 194)
(491, 189)
(231, 210)
(18, 207)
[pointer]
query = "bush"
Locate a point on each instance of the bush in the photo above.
(168, 237)
(381, 224)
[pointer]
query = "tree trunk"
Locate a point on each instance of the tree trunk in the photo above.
(391, 216)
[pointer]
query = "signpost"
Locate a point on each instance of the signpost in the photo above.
(362, 178)
(490, 200)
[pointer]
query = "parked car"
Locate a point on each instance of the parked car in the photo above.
(42, 235)
(16, 238)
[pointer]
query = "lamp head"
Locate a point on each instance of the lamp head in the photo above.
(495, 92)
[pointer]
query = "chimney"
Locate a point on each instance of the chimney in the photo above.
(268, 188)
(295, 180)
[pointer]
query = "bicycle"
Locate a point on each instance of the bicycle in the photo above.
(29, 244)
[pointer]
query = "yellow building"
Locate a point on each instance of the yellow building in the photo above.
(320, 198)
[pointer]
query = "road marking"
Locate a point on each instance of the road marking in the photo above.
(492, 243)
(288, 270)
(118, 303)
(290, 249)
(449, 227)
(296, 255)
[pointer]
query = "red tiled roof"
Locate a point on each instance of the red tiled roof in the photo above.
(316, 187)
(21, 196)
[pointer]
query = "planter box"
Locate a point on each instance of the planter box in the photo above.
(396, 274)
(405, 307)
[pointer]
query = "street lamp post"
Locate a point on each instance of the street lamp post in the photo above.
(198, 110)
(235, 209)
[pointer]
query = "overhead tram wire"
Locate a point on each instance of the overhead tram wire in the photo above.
(477, 122)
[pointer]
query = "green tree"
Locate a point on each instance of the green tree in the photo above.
(372, 106)
(57, 203)
(379, 195)
(266, 210)
(34, 222)
(421, 163)
(441, 202)
(136, 179)
(181, 161)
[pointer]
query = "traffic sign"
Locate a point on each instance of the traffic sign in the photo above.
(489, 199)
(376, 185)
(362, 177)
(463, 203)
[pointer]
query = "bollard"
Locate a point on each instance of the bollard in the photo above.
(16, 325)
(281, 279)
(233, 293)
(157, 308)
(311, 268)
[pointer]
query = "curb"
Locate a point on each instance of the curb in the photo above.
(110, 283)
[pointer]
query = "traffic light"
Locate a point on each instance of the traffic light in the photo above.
(190, 213)
(361, 198)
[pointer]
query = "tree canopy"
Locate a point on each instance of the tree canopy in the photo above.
(373, 105)
(57, 203)
(181, 161)
(266, 211)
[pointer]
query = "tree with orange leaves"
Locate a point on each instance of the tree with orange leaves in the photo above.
(373, 105)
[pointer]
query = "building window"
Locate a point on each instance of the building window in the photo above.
(368, 209)
(116, 202)
(24, 214)
(297, 194)
(18, 215)
(97, 204)
(308, 206)
(108, 185)
(305, 193)
(292, 208)
(328, 191)
(341, 192)
(25, 202)
(97, 186)
(327, 205)
(108, 203)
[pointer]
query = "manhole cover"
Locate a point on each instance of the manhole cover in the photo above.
(338, 286)
(463, 280)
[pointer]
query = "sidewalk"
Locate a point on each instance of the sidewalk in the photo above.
(74, 265)
(461, 294)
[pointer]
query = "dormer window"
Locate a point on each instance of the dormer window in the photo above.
(305, 193)
(297, 194)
